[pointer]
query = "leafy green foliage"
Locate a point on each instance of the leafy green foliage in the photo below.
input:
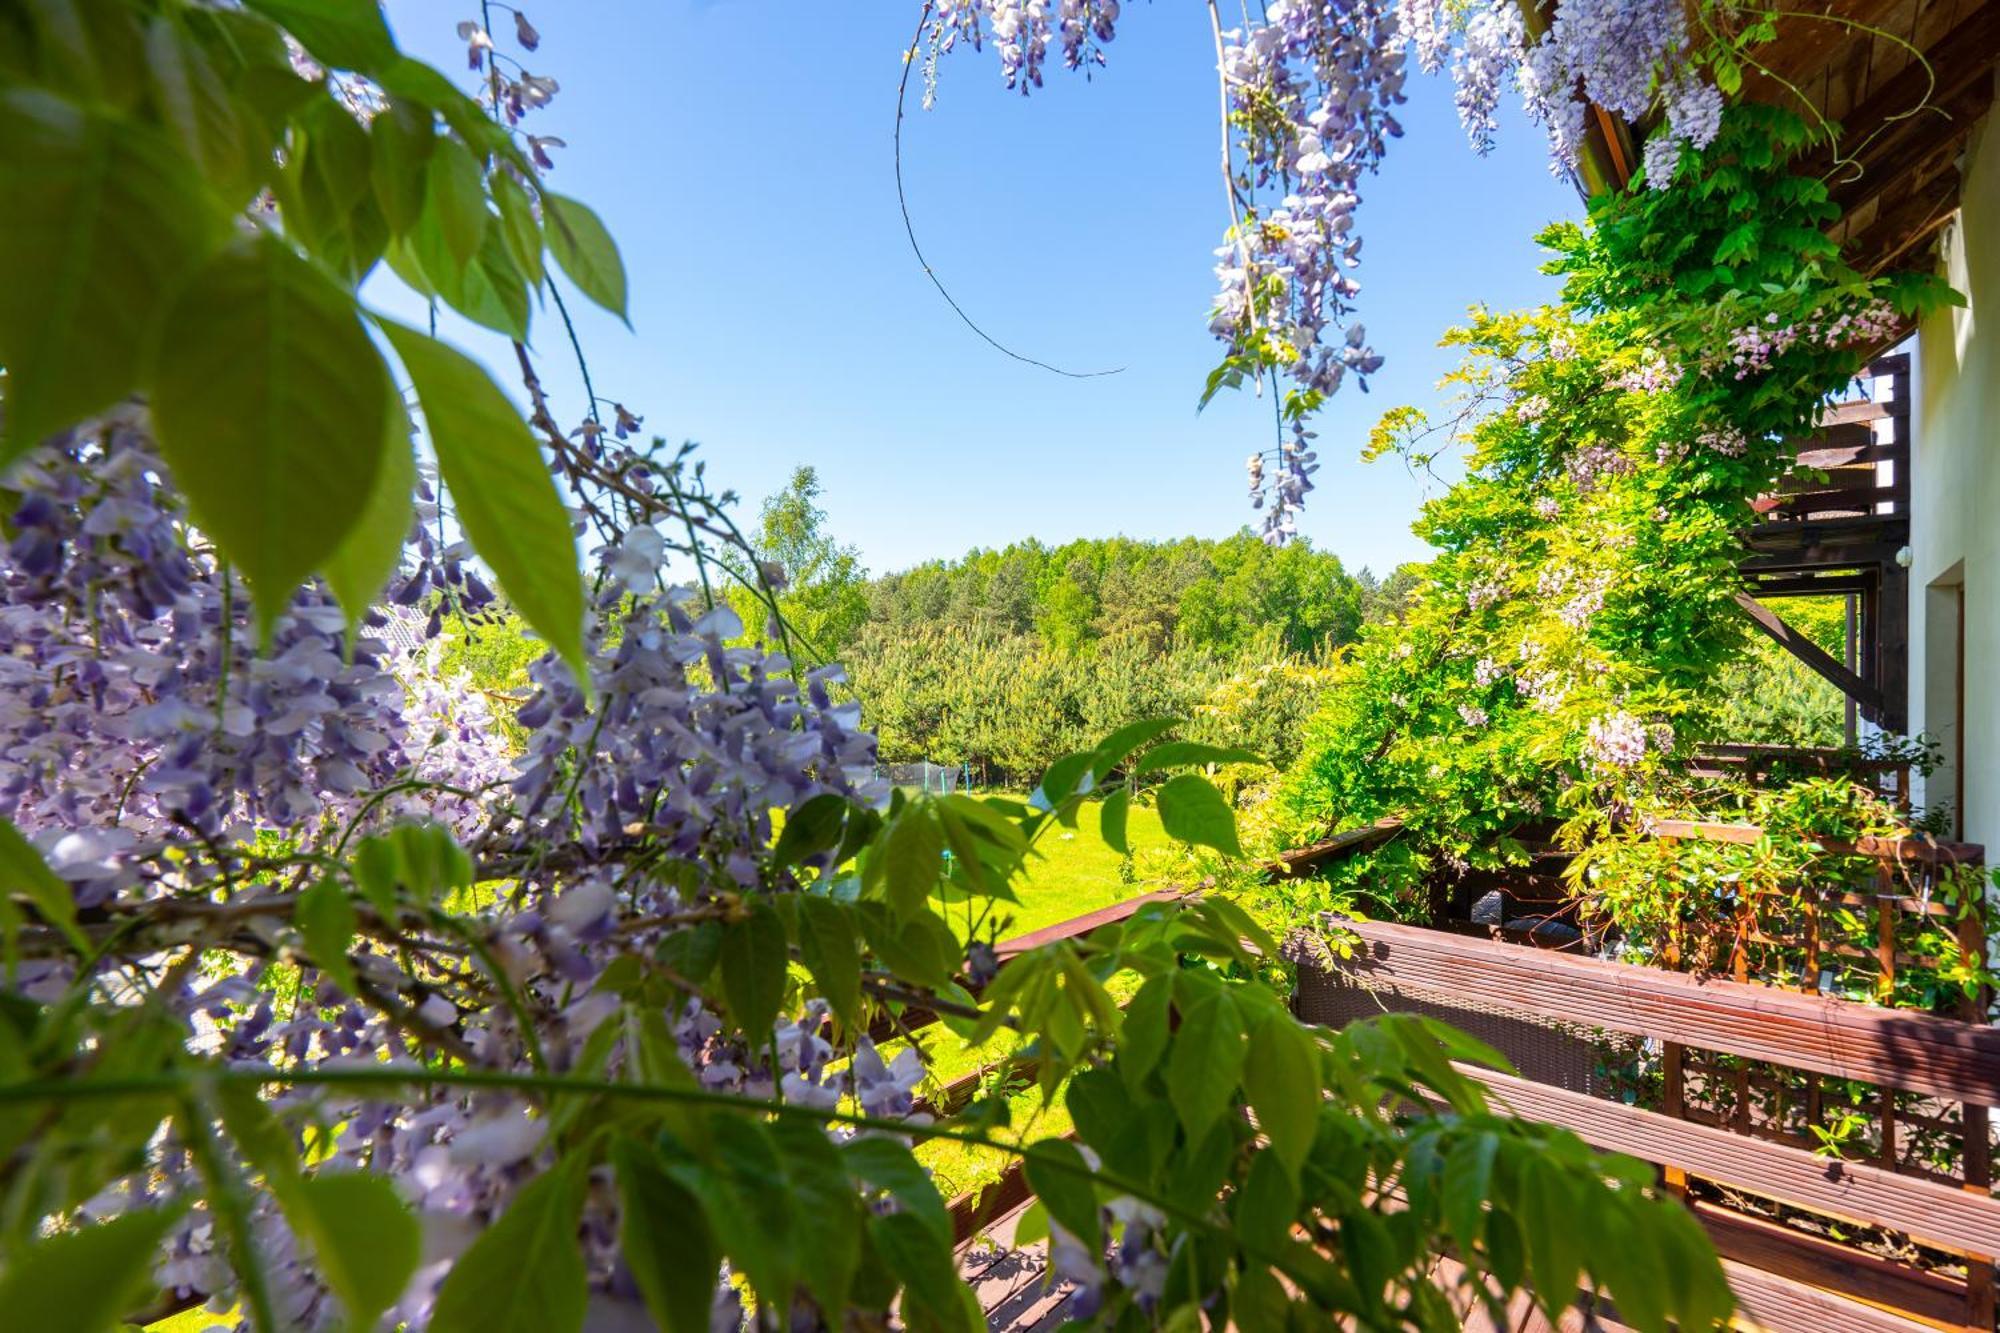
(82, 1279)
(282, 467)
(525, 1271)
(753, 966)
(586, 252)
(1560, 660)
(1195, 812)
(359, 570)
(23, 872)
(107, 222)
(366, 1239)
(674, 1254)
(506, 501)
(129, 137)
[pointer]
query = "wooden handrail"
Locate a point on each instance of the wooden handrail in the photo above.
(1917, 848)
(1345, 843)
(1078, 926)
(1941, 1057)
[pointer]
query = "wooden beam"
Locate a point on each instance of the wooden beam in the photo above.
(1777, 1304)
(1855, 1191)
(1914, 219)
(1908, 114)
(1814, 656)
(1899, 1289)
(1077, 927)
(1347, 843)
(1915, 1052)
(1916, 849)
(1808, 36)
(1813, 586)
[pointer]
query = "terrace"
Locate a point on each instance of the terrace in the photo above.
(1782, 1058)
(1535, 990)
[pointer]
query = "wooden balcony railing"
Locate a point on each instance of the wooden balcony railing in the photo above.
(1789, 1277)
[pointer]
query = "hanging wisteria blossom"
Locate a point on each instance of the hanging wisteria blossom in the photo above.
(1309, 91)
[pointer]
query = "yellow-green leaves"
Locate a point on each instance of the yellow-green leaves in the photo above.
(84, 1280)
(401, 141)
(104, 220)
(1282, 1078)
(1192, 810)
(368, 555)
(753, 967)
(346, 34)
(364, 1237)
(1111, 820)
(196, 106)
(585, 251)
(456, 200)
(1059, 1176)
(1205, 1063)
(912, 857)
(831, 954)
(518, 226)
(414, 860)
(500, 489)
(326, 919)
(326, 195)
(271, 405)
(1548, 1211)
(525, 1273)
(666, 1240)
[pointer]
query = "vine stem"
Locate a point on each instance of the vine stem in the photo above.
(1228, 162)
(250, 1077)
(225, 1189)
(910, 227)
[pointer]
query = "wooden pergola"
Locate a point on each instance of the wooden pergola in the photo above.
(1903, 121)
(1905, 82)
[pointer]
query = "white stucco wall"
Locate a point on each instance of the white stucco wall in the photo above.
(1955, 499)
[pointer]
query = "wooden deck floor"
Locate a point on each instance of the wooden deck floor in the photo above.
(1014, 1290)
(1013, 1285)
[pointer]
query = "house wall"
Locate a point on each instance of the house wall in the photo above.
(1955, 504)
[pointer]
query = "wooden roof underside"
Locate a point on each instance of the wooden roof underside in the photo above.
(1903, 121)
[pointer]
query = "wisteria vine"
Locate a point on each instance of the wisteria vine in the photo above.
(326, 1003)
(1308, 97)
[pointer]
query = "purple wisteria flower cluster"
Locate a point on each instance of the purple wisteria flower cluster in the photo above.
(508, 89)
(172, 769)
(135, 703)
(1754, 347)
(1309, 91)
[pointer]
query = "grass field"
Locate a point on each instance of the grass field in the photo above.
(1076, 873)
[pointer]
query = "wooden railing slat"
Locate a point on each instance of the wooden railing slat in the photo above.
(1942, 1057)
(1941, 1214)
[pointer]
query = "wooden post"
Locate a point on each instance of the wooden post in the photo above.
(1809, 982)
(1671, 1052)
(1739, 955)
(1977, 1136)
(1885, 934)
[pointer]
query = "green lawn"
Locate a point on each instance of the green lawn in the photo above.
(1074, 872)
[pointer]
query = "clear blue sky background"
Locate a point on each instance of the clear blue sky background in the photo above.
(740, 152)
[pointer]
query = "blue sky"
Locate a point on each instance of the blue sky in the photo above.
(741, 154)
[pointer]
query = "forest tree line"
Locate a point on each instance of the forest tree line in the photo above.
(1003, 660)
